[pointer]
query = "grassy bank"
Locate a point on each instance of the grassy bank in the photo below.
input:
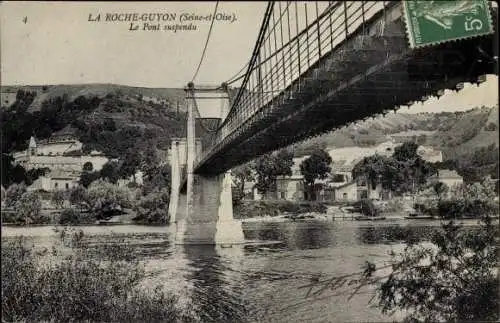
(84, 285)
(252, 209)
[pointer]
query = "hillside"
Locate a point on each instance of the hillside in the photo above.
(455, 133)
(107, 117)
(104, 114)
(46, 92)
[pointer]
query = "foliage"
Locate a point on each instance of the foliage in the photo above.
(153, 208)
(87, 286)
(402, 172)
(58, 197)
(452, 209)
(378, 169)
(269, 167)
(452, 280)
(14, 193)
(240, 175)
(316, 166)
(157, 177)
(103, 199)
(440, 188)
(12, 173)
(28, 208)
(366, 207)
(54, 115)
(110, 172)
(484, 190)
(128, 141)
(459, 208)
(88, 167)
(78, 196)
(86, 178)
(475, 165)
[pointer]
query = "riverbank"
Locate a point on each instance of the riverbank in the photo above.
(274, 208)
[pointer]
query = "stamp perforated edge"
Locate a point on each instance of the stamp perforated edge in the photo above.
(409, 30)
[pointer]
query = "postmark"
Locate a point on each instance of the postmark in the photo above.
(433, 22)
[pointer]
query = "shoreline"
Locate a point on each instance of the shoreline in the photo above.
(282, 218)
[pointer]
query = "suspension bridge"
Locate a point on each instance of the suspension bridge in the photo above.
(315, 67)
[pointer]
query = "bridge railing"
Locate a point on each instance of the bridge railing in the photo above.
(296, 37)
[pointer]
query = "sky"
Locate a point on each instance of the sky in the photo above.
(59, 45)
(55, 43)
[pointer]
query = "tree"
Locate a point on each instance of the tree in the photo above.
(269, 167)
(378, 169)
(86, 178)
(241, 174)
(28, 207)
(316, 166)
(158, 177)
(78, 196)
(33, 174)
(110, 171)
(88, 167)
(9, 172)
(153, 208)
(104, 199)
(58, 198)
(440, 188)
(405, 152)
(131, 163)
(14, 193)
(453, 280)
(484, 191)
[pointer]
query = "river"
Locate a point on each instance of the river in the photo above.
(262, 283)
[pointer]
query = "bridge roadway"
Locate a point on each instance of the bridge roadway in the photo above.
(367, 74)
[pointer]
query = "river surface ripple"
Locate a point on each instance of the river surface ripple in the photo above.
(261, 283)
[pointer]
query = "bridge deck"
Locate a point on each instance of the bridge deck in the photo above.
(366, 75)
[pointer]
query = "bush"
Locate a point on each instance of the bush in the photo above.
(28, 208)
(105, 199)
(454, 280)
(451, 209)
(153, 208)
(73, 217)
(14, 193)
(81, 287)
(366, 207)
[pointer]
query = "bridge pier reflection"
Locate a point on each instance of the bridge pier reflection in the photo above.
(218, 288)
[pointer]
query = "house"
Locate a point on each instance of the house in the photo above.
(430, 154)
(290, 187)
(53, 153)
(54, 181)
(449, 177)
(344, 192)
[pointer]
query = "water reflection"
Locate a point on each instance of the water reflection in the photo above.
(392, 234)
(254, 283)
(306, 235)
(217, 295)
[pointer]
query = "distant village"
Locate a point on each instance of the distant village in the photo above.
(340, 184)
(62, 155)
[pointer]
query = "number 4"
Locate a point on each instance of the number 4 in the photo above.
(472, 24)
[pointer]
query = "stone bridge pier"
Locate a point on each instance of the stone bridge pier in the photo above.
(202, 209)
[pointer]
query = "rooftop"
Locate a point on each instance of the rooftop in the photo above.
(446, 173)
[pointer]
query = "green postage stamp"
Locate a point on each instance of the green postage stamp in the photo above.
(434, 22)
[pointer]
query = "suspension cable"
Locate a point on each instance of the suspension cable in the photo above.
(237, 75)
(206, 42)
